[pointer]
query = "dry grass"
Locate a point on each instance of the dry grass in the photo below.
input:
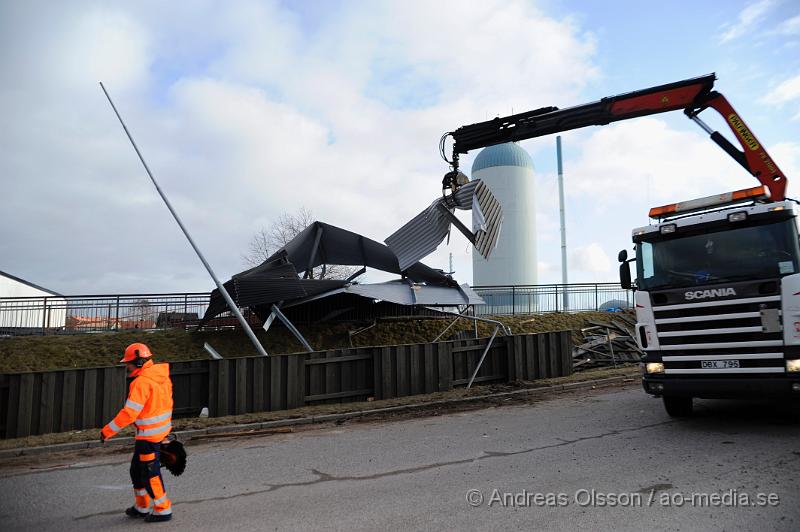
(105, 349)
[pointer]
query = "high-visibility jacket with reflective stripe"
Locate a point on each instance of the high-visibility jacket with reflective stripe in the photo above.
(149, 405)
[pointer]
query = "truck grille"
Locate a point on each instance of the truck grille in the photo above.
(725, 336)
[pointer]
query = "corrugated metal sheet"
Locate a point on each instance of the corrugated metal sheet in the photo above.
(403, 293)
(350, 307)
(420, 236)
(492, 214)
(277, 268)
(423, 234)
(269, 282)
(463, 196)
(258, 289)
(487, 214)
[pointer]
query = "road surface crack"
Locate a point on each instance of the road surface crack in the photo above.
(322, 477)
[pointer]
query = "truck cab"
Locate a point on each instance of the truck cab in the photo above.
(718, 299)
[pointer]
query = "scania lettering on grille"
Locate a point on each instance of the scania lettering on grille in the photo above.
(715, 292)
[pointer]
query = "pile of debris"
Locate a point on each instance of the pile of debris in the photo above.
(608, 343)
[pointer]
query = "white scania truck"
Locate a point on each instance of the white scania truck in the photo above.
(718, 278)
(718, 299)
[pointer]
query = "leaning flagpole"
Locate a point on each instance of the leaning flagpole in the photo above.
(221, 288)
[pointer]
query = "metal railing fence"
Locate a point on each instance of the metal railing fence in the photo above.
(95, 313)
(535, 299)
(98, 313)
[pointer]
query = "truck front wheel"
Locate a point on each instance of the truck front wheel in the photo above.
(678, 406)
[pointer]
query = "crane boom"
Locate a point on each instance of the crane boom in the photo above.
(691, 95)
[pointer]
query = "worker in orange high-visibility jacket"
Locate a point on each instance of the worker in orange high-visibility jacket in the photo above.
(149, 407)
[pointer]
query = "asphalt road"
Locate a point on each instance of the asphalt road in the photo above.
(608, 459)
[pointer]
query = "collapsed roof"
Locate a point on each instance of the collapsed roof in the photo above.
(277, 280)
(404, 293)
(321, 243)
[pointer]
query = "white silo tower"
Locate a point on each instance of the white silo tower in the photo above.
(508, 171)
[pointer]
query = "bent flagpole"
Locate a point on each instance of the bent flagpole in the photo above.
(221, 288)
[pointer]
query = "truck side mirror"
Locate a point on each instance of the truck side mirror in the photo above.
(625, 275)
(623, 255)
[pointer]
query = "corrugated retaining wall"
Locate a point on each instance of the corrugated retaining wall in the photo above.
(57, 401)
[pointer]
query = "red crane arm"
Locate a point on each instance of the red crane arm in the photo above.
(753, 156)
(692, 96)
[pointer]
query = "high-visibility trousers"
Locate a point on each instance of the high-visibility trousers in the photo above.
(148, 485)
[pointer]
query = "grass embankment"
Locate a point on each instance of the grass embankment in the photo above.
(40, 353)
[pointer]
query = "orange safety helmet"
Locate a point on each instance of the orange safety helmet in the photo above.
(137, 354)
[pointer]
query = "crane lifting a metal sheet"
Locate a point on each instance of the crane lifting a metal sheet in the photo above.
(692, 95)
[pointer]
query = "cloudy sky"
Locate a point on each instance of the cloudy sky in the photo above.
(249, 109)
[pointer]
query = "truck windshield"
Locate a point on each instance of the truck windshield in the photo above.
(757, 252)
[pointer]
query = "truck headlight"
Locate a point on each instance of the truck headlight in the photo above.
(793, 366)
(667, 229)
(658, 367)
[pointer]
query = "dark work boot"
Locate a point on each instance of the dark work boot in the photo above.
(133, 512)
(153, 518)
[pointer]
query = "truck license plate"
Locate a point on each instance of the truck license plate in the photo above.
(719, 364)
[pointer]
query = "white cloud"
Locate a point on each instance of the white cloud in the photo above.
(548, 272)
(787, 156)
(786, 91)
(790, 26)
(548, 223)
(646, 161)
(749, 17)
(618, 173)
(248, 109)
(591, 259)
(245, 110)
